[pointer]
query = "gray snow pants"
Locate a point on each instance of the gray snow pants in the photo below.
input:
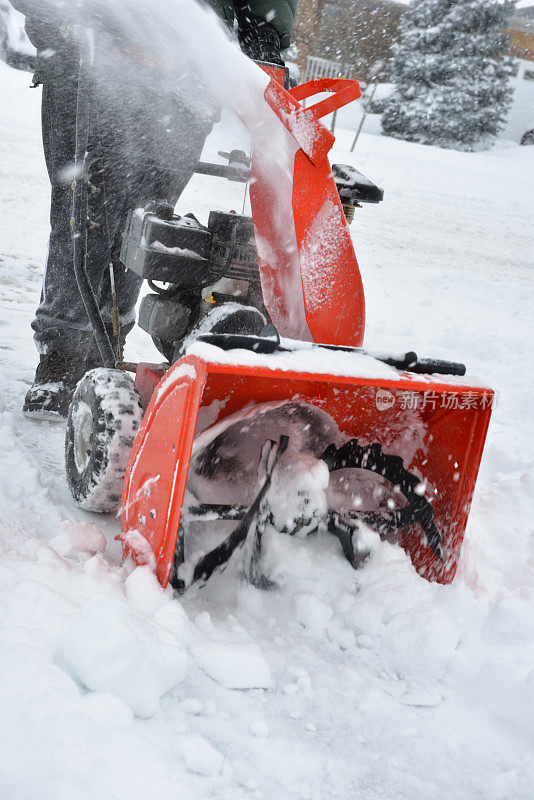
(148, 151)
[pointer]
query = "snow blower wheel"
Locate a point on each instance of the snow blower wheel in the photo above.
(103, 420)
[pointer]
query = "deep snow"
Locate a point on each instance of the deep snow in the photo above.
(373, 685)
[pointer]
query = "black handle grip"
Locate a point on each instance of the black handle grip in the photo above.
(423, 366)
(434, 366)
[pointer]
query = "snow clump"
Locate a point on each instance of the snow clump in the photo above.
(114, 649)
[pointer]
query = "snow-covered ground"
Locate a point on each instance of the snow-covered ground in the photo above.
(372, 685)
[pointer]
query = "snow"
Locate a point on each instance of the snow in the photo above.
(183, 252)
(200, 756)
(113, 649)
(17, 40)
(78, 538)
(377, 684)
(235, 665)
(259, 728)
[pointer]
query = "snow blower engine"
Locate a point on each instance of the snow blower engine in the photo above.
(267, 416)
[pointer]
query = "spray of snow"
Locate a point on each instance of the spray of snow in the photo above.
(178, 55)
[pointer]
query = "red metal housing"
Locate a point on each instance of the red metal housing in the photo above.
(442, 425)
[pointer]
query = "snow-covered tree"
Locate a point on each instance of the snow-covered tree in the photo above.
(451, 73)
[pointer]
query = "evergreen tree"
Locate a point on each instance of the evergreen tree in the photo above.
(451, 73)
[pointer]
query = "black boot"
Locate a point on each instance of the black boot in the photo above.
(56, 377)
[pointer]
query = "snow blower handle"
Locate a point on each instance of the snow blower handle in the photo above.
(80, 222)
(268, 341)
(431, 366)
(344, 91)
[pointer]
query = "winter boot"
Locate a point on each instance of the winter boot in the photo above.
(56, 377)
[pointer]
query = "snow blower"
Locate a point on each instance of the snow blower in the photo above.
(267, 413)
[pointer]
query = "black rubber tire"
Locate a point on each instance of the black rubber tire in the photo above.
(527, 139)
(103, 420)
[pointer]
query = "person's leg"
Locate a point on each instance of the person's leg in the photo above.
(60, 321)
(138, 165)
(61, 329)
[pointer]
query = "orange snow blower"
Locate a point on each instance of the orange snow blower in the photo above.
(268, 414)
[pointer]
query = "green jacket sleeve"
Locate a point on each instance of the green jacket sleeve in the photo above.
(278, 13)
(46, 25)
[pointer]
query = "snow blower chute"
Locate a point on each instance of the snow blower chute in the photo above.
(267, 412)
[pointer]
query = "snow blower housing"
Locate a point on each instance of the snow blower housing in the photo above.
(268, 415)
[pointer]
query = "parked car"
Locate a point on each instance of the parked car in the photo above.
(15, 47)
(519, 125)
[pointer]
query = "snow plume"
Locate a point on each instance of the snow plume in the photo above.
(162, 72)
(184, 49)
(176, 42)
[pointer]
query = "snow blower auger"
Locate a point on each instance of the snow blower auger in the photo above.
(241, 431)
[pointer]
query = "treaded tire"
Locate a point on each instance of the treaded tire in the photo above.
(103, 420)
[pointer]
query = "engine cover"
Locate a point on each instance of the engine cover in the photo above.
(160, 246)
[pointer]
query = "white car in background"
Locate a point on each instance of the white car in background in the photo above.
(519, 125)
(15, 47)
(528, 136)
